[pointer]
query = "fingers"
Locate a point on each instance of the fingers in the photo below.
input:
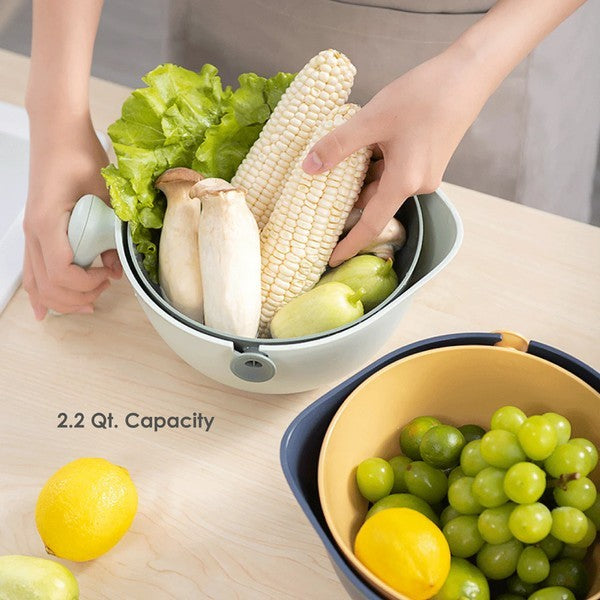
(339, 144)
(110, 259)
(48, 294)
(381, 207)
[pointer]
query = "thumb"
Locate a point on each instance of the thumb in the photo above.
(337, 145)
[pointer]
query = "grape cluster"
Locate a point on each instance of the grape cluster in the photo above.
(515, 500)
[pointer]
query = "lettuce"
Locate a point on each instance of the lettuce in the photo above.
(181, 119)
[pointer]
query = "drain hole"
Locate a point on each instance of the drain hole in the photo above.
(253, 363)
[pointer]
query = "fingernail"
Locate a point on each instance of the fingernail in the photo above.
(39, 314)
(85, 310)
(312, 163)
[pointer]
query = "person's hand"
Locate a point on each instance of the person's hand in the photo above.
(65, 162)
(414, 125)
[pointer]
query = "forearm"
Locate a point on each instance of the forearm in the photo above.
(499, 41)
(63, 38)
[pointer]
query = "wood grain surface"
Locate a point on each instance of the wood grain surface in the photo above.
(216, 518)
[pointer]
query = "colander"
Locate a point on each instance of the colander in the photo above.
(434, 234)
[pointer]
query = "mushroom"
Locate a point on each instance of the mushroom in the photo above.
(229, 258)
(391, 238)
(178, 257)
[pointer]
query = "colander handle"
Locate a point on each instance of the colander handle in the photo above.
(91, 229)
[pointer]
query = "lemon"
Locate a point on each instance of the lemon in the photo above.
(405, 550)
(85, 508)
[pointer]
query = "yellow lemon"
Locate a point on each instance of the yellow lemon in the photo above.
(405, 550)
(85, 508)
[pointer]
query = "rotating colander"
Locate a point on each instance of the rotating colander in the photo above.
(434, 234)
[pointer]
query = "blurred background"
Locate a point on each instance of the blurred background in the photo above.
(136, 36)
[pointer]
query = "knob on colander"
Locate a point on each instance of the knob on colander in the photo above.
(91, 229)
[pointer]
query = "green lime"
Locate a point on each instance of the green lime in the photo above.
(412, 434)
(441, 446)
(471, 432)
(404, 501)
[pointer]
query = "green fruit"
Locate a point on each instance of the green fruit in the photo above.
(441, 446)
(403, 501)
(569, 573)
(464, 582)
(375, 275)
(323, 308)
(399, 464)
(375, 478)
(29, 578)
(426, 482)
(412, 434)
(552, 593)
(471, 432)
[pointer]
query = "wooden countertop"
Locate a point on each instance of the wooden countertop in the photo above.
(216, 518)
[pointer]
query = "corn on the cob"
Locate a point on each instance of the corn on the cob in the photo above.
(322, 85)
(307, 220)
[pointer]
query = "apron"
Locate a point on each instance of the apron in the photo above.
(536, 140)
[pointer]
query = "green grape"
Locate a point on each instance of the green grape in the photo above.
(508, 418)
(552, 593)
(499, 561)
(399, 464)
(460, 497)
(412, 434)
(591, 451)
(455, 474)
(575, 552)
(510, 597)
(426, 482)
(569, 524)
(441, 446)
(578, 493)
(375, 478)
(448, 514)
(471, 461)
(530, 523)
(561, 426)
(533, 565)
(471, 432)
(464, 581)
(566, 459)
(493, 524)
(488, 487)
(515, 585)
(462, 536)
(593, 512)
(537, 437)
(551, 546)
(589, 537)
(403, 501)
(569, 573)
(524, 483)
(500, 448)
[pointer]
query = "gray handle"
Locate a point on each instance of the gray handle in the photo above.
(91, 229)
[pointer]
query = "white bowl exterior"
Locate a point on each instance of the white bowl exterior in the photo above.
(300, 366)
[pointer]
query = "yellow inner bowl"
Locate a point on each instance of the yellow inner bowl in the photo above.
(459, 385)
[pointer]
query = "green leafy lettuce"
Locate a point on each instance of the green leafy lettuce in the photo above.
(182, 119)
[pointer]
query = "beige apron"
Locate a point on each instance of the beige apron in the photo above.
(535, 141)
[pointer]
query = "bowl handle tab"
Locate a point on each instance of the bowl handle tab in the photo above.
(252, 366)
(513, 340)
(91, 229)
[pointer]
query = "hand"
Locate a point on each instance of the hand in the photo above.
(414, 125)
(65, 162)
